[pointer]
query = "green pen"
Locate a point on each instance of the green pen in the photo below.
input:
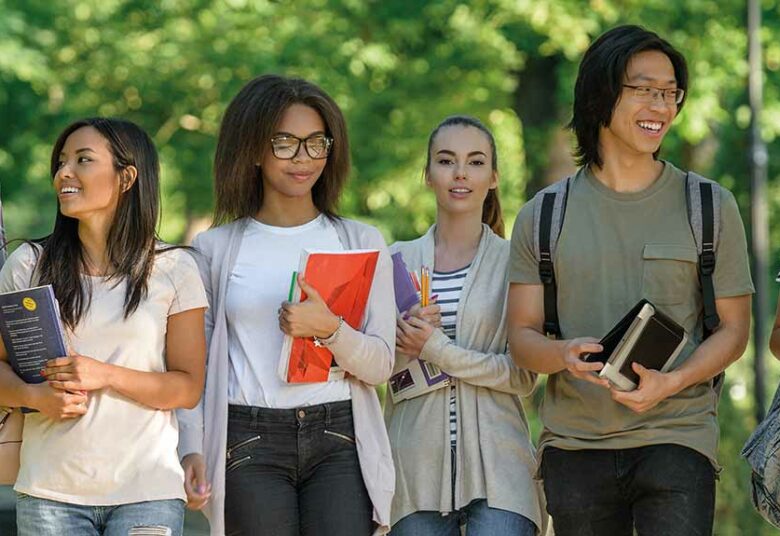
(292, 286)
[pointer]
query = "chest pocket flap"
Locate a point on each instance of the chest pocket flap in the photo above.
(669, 273)
(670, 252)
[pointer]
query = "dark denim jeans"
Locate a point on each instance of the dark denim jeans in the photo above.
(664, 490)
(294, 472)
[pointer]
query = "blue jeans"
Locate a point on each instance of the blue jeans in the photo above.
(664, 490)
(42, 517)
(480, 520)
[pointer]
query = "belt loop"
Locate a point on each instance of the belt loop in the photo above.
(327, 415)
(254, 413)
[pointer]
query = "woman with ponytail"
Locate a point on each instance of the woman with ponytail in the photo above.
(462, 453)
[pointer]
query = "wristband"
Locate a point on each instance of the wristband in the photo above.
(327, 341)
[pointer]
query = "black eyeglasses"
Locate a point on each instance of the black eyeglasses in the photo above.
(286, 146)
(670, 96)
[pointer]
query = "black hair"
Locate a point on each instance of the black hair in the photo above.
(600, 82)
(131, 244)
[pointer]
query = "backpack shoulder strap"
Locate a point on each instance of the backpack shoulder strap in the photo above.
(549, 210)
(703, 200)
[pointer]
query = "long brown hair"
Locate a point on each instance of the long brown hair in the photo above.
(131, 240)
(491, 207)
(245, 135)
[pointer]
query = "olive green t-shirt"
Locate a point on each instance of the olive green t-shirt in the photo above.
(615, 249)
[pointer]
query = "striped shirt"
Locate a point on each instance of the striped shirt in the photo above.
(448, 286)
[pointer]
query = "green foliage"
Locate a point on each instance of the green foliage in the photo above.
(397, 68)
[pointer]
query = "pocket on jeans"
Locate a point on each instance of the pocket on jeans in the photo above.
(234, 449)
(237, 452)
(339, 436)
(236, 462)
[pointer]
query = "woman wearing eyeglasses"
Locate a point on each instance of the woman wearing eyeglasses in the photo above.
(263, 456)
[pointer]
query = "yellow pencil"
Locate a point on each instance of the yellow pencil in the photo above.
(425, 283)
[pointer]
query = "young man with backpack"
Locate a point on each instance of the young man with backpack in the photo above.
(628, 226)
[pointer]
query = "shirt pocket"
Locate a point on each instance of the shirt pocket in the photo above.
(670, 280)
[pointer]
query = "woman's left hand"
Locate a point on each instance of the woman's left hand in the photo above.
(411, 335)
(309, 318)
(77, 373)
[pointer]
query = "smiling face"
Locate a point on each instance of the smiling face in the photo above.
(86, 183)
(638, 128)
(296, 177)
(461, 169)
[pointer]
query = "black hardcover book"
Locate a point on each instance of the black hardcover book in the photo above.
(644, 335)
(31, 330)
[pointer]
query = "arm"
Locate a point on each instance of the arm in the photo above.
(16, 274)
(712, 357)
(368, 354)
(179, 387)
(529, 347)
(191, 424)
(483, 369)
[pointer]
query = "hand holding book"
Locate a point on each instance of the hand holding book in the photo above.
(77, 373)
(573, 360)
(411, 335)
(333, 295)
(637, 352)
(654, 387)
(310, 318)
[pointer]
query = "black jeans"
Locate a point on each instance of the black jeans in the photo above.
(664, 490)
(294, 472)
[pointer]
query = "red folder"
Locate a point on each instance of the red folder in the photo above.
(344, 280)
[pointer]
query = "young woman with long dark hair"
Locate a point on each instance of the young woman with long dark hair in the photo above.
(287, 459)
(463, 453)
(99, 456)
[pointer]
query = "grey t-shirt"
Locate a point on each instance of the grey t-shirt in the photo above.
(614, 249)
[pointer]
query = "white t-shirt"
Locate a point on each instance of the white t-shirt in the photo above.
(258, 284)
(119, 452)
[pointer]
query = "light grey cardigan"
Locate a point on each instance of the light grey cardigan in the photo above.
(494, 454)
(367, 355)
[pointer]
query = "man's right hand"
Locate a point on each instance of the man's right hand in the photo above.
(572, 360)
(57, 404)
(195, 482)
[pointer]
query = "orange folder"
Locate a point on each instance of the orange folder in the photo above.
(344, 280)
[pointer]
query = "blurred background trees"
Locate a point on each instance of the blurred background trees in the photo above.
(396, 67)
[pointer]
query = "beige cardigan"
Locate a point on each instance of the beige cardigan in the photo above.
(367, 355)
(494, 455)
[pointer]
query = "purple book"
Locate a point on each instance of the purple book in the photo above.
(405, 293)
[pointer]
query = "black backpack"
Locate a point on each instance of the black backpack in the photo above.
(703, 201)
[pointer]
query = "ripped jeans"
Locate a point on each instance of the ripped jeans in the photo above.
(42, 517)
